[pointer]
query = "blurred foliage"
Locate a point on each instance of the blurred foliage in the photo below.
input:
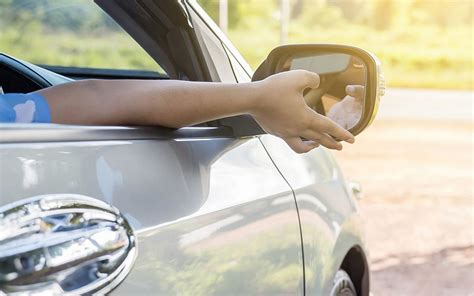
(80, 19)
(265, 262)
(68, 33)
(420, 43)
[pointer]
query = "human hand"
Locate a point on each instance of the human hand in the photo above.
(282, 111)
(348, 111)
(356, 91)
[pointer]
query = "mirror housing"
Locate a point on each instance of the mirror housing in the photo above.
(311, 57)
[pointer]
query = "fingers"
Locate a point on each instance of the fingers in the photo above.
(332, 128)
(329, 142)
(322, 139)
(297, 144)
(356, 91)
(323, 124)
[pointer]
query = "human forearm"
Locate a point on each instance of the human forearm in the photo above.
(179, 103)
(276, 103)
(141, 102)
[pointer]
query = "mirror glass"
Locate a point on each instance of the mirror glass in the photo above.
(341, 93)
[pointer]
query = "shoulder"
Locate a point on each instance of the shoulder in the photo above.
(24, 108)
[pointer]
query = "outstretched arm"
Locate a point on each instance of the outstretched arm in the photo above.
(276, 103)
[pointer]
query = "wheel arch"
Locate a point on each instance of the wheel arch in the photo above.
(355, 263)
(351, 253)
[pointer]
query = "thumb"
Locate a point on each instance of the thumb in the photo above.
(299, 146)
(307, 79)
(356, 91)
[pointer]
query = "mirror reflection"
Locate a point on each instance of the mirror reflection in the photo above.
(341, 92)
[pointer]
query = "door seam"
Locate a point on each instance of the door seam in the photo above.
(297, 213)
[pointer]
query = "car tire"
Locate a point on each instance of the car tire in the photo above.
(342, 285)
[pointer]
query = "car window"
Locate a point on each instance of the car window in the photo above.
(216, 57)
(68, 33)
(240, 74)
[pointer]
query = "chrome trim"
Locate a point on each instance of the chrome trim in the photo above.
(63, 244)
(39, 133)
(381, 84)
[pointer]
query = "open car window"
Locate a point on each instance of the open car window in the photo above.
(69, 33)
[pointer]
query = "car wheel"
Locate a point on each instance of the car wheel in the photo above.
(342, 285)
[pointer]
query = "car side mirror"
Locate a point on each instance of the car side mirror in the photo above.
(351, 81)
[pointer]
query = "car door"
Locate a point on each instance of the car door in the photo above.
(210, 211)
(329, 219)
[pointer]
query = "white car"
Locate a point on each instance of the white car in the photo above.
(221, 208)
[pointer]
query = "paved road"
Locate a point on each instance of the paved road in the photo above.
(427, 104)
(417, 179)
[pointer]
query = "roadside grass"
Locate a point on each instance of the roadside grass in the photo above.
(421, 57)
(418, 57)
(107, 50)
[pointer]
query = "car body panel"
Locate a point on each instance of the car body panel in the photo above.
(212, 216)
(330, 223)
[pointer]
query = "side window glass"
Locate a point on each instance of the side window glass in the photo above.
(216, 57)
(69, 34)
(240, 74)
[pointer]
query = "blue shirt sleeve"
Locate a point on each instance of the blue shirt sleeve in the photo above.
(24, 108)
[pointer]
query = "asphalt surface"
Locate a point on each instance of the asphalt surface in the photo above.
(418, 104)
(415, 165)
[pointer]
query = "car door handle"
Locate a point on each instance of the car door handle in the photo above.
(356, 189)
(63, 243)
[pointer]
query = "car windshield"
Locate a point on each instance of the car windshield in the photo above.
(68, 33)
